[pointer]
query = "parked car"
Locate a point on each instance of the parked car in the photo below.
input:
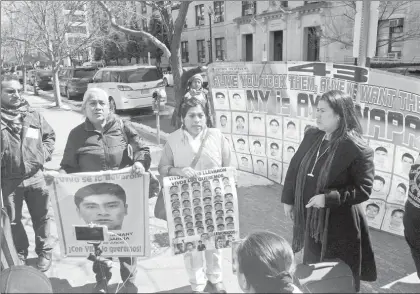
(74, 81)
(130, 87)
(168, 78)
(44, 79)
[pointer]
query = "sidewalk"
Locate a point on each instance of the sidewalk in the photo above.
(260, 207)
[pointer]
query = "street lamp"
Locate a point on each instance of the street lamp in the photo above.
(210, 42)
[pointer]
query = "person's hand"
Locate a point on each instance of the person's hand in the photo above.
(49, 176)
(318, 201)
(188, 172)
(138, 168)
(288, 210)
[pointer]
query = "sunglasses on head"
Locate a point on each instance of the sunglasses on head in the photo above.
(13, 91)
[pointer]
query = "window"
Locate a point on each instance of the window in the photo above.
(284, 3)
(77, 29)
(106, 76)
(219, 11)
(396, 29)
(201, 53)
(98, 77)
(143, 8)
(199, 15)
(249, 7)
(184, 52)
(185, 23)
(75, 18)
(144, 25)
(220, 52)
(140, 75)
(114, 77)
(84, 73)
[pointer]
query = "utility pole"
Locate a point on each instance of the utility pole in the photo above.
(211, 36)
(365, 31)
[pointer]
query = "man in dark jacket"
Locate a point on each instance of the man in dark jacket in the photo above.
(27, 142)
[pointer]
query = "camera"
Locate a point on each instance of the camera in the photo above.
(91, 233)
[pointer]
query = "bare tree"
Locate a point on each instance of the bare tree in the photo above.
(339, 23)
(16, 39)
(50, 23)
(173, 29)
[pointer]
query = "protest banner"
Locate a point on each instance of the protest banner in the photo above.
(117, 199)
(202, 211)
(265, 109)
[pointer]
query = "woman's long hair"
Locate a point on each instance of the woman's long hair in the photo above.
(267, 262)
(349, 126)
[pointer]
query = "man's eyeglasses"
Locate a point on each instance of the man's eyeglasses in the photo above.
(13, 91)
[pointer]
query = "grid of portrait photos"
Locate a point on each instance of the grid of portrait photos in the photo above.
(261, 144)
(202, 212)
(264, 144)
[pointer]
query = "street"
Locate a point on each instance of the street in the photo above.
(260, 209)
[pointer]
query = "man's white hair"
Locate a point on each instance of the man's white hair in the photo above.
(93, 92)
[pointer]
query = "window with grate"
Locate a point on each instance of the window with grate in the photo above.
(201, 52)
(219, 11)
(199, 15)
(220, 48)
(184, 51)
(249, 7)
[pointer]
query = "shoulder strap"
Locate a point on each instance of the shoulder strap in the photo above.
(197, 156)
(129, 147)
(120, 121)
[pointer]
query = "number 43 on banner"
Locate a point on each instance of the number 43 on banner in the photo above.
(351, 73)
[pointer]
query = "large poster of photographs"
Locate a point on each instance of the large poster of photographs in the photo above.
(271, 105)
(203, 211)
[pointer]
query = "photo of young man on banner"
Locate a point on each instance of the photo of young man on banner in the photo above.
(117, 200)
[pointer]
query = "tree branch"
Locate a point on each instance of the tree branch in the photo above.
(131, 32)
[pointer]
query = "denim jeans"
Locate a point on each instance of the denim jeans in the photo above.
(33, 190)
(128, 270)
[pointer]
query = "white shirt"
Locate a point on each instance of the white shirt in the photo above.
(195, 142)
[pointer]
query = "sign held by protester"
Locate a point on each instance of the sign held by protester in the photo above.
(264, 109)
(116, 199)
(203, 211)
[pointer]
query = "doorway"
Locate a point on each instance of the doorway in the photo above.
(278, 46)
(248, 47)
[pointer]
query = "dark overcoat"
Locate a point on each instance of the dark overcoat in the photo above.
(349, 184)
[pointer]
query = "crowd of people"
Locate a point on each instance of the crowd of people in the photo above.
(330, 174)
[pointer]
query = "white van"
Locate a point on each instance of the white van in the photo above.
(130, 87)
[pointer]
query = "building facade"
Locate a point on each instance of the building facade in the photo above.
(280, 31)
(76, 19)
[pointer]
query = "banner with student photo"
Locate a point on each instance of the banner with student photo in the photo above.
(268, 106)
(116, 199)
(203, 211)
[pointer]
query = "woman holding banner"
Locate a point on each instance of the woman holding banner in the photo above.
(104, 142)
(191, 148)
(412, 212)
(329, 176)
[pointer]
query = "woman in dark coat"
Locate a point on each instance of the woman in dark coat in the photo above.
(104, 142)
(328, 177)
